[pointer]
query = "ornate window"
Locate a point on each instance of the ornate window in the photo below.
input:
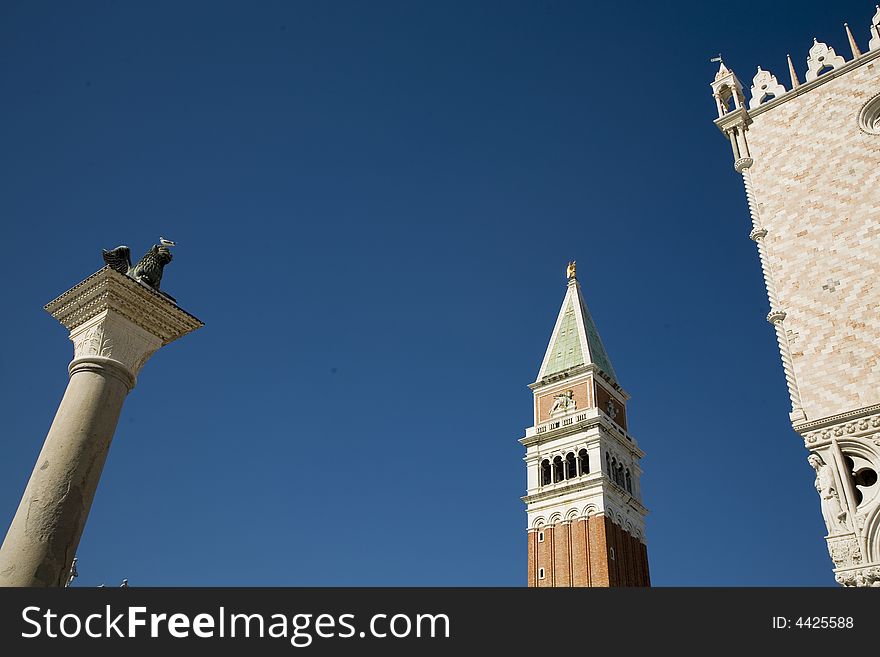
(863, 477)
(727, 99)
(570, 466)
(584, 459)
(869, 117)
(558, 475)
(546, 476)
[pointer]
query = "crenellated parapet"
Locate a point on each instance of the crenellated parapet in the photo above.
(821, 60)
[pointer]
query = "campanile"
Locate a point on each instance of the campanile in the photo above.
(586, 521)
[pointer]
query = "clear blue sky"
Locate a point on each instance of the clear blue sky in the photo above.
(375, 203)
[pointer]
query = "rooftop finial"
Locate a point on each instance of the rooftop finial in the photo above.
(722, 69)
(795, 83)
(852, 42)
(821, 58)
(875, 31)
(571, 270)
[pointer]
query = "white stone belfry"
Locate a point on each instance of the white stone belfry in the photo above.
(115, 324)
(727, 91)
(812, 222)
(586, 521)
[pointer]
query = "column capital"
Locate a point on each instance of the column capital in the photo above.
(758, 234)
(117, 323)
(776, 316)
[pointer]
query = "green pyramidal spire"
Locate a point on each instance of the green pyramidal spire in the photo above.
(575, 341)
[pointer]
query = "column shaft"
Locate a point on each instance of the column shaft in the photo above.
(45, 532)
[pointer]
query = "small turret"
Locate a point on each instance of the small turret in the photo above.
(727, 91)
(733, 117)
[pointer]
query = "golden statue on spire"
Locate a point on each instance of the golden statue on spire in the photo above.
(571, 270)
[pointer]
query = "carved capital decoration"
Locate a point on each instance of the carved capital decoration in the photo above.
(113, 337)
(856, 428)
(117, 323)
(776, 316)
(758, 234)
(844, 551)
(869, 576)
(107, 289)
(743, 163)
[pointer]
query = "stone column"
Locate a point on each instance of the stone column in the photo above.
(115, 324)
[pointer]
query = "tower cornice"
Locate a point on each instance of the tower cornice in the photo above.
(589, 368)
(557, 428)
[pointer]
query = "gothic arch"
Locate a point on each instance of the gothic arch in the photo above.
(572, 514)
(554, 518)
(865, 453)
(538, 522)
(859, 447)
(590, 510)
(872, 535)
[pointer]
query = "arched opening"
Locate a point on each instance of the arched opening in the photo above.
(824, 69)
(613, 472)
(727, 98)
(869, 117)
(584, 459)
(558, 474)
(608, 463)
(629, 483)
(863, 478)
(570, 466)
(620, 474)
(546, 476)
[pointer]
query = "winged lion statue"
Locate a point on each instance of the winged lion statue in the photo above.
(149, 269)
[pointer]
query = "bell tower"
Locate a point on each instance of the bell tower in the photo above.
(586, 521)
